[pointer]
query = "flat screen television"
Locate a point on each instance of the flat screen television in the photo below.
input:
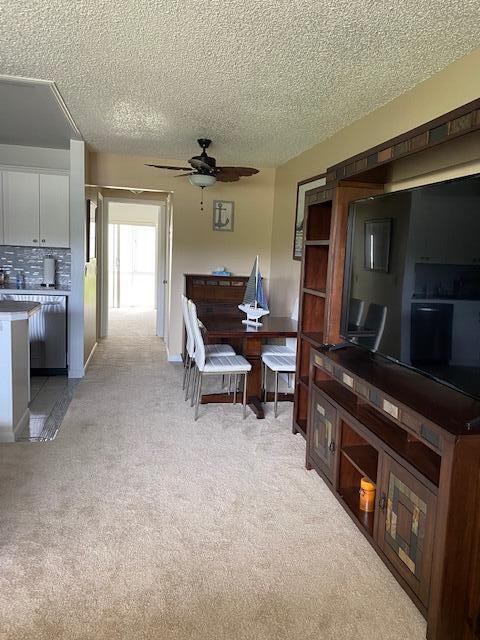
(412, 280)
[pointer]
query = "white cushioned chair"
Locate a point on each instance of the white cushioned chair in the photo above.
(277, 364)
(210, 349)
(206, 365)
(290, 346)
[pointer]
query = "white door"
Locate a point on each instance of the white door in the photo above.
(21, 208)
(54, 211)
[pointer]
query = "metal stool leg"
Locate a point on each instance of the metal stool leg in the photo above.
(199, 394)
(189, 379)
(265, 384)
(275, 405)
(235, 384)
(245, 396)
(185, 370)
(194, 385)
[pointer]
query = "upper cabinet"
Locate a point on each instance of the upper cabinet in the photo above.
(35, 209)
(54, 208)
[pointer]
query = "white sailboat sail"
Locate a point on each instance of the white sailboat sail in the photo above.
(254, 301)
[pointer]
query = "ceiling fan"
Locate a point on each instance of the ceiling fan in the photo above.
(203, 171)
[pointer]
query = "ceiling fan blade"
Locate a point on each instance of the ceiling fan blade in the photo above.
(159, 166)
(181, 175)
(232, 174)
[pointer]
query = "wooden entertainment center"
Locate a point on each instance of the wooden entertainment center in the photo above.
(363, 416)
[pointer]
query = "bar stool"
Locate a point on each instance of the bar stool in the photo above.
(214, 365)
(277, 364)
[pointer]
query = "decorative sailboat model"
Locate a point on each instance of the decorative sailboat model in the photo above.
(254, 301)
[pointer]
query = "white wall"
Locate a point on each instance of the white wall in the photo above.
(77, 244)
(40, 157)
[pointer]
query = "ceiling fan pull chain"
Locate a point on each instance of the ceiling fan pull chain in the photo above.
(201, 201)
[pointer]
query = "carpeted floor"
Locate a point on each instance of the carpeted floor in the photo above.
(132, 322)
(138, 523)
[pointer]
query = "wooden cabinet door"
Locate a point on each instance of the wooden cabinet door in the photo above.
(322, 433)
(406, 525)
(21, 208)
(54, 211)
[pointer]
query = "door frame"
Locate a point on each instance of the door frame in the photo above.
(162, 281)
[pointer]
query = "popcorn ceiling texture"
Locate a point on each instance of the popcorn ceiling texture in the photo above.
(265, 79)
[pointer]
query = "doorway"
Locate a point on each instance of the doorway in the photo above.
(135, 236)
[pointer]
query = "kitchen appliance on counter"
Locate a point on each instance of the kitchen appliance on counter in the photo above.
(49, 267)
(47, 332)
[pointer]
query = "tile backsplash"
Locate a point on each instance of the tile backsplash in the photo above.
(14, 260)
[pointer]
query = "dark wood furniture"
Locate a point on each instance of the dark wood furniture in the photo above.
(368, 417)
(248, 341)
(419, 443)
(215, 295)
(321, 282)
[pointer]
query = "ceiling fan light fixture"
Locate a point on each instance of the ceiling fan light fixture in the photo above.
(202, 180)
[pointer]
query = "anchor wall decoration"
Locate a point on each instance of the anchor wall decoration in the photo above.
(223, 215)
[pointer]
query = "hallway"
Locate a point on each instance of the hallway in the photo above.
(137, 523)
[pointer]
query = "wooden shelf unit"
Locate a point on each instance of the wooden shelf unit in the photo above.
(325, 225)
(425, 469)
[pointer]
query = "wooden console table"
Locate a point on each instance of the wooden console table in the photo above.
(419, 443)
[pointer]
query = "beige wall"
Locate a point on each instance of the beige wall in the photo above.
(456, 85)
(196, 247)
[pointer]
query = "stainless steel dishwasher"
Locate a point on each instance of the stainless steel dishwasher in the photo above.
(48, 332)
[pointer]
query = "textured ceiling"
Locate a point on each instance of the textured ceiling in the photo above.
(265, 79)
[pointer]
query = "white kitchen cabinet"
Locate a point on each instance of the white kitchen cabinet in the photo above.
(1, 208)
(54, 207)
(21, 210)
(36, 209)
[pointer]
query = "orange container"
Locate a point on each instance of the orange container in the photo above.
(367, 495)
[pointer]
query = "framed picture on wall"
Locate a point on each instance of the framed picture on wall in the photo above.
(302, 188)
(91, 231)
(223, 215)
(377, 244)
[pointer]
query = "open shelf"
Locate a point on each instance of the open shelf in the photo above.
(317, 243)
(301, 409)
(350, 497)
(313, 312)
(417, 454)
(315, 267)
(318, 221)
(364, 458)
(313, 337)
(316, 292)
(301, 426)
(303, 380)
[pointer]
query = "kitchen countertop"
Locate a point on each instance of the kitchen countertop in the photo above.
(11, 310)
(38, 291)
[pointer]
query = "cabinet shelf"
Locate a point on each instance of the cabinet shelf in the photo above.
(317, 243)
(364, 458)
(303, 380)
(418, 455)
(314, 337)
(315, 292)
(301, 426)
(350, 497)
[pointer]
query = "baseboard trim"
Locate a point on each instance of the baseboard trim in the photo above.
(87, 363)
(175, 357)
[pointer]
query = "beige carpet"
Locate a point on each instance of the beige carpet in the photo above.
(132, 322)
(137, 523)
